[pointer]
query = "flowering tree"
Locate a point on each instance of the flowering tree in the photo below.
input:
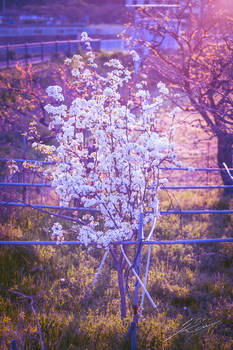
(107, 155)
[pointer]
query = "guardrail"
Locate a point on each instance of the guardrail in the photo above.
(41, 51)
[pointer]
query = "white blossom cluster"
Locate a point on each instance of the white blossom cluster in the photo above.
(55, 92)
(162, 88)
(57, 232)
(108, 153)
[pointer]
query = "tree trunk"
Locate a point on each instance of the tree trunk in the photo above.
(121, 284)
(225, 142)
(119, 266)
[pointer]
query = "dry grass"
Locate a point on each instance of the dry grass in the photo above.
(195, 148)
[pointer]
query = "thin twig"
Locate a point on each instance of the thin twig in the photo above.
(34, 312)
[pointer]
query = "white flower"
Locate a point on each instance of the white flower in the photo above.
(84, 36)
(68, 61)
(134, 55)
(57, 232)
(55, 92)
(86, 73)
(108, 92)
(114, 63)
(162, 88)
(141, 93)
(60, 110)
(75, 72)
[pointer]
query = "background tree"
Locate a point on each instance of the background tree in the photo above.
(191, 49)
(22, 100)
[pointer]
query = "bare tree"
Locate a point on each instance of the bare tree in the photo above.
(191, 50)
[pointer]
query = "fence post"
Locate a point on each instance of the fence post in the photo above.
(14, 345)
(56, 48)
(7, 55)
(42, 51)
(135, 304)
(24, 194)
(208, 163)
(69, 48)
(26, 53)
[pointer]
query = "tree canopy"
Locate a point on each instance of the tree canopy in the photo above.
(107, 154)
(191, 49)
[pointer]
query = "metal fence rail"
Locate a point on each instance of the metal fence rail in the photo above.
(41, 51)
(38, 185)
(20, 184)
(18, 160)
(162, 212)
(143, 242)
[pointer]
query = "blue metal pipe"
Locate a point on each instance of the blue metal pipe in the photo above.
(162, 212)
(162, 242)
(135, 304)
(194, 169)
(161, 168)
(191, 241)
(191, 187)
(25, 184)
(169, 212)
(14, 345)
(25, 160)
(45, 206)
(162, 188)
